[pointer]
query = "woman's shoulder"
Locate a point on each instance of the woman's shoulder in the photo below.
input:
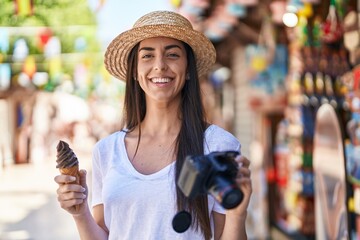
(217, 131)
(219, 139)
(110, 140)
(105, 149)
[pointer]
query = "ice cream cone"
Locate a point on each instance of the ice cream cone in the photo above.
(67, 163)
(72, 171)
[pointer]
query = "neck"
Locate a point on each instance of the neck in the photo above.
(161, 120)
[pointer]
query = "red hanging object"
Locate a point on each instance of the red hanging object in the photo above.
(44, 37)
(332, 30)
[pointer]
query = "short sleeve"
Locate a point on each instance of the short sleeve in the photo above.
(218, 139)
(215, 206)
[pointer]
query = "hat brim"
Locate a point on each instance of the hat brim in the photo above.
(117, 53)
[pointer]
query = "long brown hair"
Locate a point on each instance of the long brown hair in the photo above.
(190, 140)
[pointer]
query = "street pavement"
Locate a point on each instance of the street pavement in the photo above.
(28, 205)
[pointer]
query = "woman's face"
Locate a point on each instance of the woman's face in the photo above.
(162, 65)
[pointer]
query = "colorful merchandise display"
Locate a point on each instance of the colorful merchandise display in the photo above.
(324, 76)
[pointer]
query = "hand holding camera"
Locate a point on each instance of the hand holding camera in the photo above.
(214, 173)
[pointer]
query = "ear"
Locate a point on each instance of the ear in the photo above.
(187, 77)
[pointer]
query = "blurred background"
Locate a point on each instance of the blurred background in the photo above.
(278, 62)
(53, 86)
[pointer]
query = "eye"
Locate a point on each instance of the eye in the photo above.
(173, 55)
(146, 56)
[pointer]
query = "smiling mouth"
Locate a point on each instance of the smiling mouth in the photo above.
(160, 80)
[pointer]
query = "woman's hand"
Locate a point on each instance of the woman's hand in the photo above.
(243, 180)
(72, 197)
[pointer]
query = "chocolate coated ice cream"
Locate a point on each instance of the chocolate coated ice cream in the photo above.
(65, 157)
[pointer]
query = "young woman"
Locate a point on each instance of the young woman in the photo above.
(135, 170)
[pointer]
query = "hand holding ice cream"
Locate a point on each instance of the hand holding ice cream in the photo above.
(72, 189)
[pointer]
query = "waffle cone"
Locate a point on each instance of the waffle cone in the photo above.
(72, 171)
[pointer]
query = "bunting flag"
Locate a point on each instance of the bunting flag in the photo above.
(21, 50)
(4, 40)
(5, 76)
(43, 37)
(176, 3)
(55, 68)
(29, 66)
(24, 7)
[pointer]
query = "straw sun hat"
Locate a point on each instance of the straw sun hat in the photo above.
(159, 24)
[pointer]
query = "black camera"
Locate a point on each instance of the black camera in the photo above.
(213, 173)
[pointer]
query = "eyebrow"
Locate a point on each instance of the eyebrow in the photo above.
(166, 48)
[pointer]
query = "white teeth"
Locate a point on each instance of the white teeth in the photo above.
(160, 80)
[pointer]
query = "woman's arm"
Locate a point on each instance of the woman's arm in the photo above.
(73, 199)
(90, 227)
(232, 224)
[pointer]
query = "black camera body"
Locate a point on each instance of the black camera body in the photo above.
(213, 173)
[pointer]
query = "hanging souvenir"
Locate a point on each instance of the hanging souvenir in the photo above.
(267, 69)
(236, 10)
(352, 31)
(294, 5)
(214, 33)
(332, 30)
(308, 182)
(220, 24)
(219, 76)
(278, 9)
(352, 34)
(306, 10)
(316, 33)
(329, 92)
(261, 55)
(194, 7)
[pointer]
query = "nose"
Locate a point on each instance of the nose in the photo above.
(160, 64)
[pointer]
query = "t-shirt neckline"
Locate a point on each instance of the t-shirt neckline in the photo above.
(132, 169)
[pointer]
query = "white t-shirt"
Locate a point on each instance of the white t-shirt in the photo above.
(142, 207)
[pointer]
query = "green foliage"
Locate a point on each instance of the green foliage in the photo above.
(48, 13)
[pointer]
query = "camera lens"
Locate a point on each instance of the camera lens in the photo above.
(226, 192)
(231, 198)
